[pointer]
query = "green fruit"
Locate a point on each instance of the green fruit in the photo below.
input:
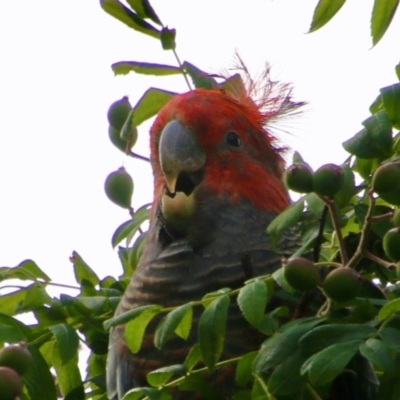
(301, 274)
(10, 384)
(116, 140)
(118, 113)
(342, 284)
(298, 178)
(328, 180)
(16, 357)
(348, 190)
(119, 188)
(386, 182)
(396, 218)
(391, 244)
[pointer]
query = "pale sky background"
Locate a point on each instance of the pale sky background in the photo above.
(56, 86)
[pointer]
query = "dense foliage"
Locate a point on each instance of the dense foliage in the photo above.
(350, 226)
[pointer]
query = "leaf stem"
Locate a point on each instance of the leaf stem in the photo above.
(262, 384)
(61, 285)
(177, 381)
(325, 308)
(312, 392)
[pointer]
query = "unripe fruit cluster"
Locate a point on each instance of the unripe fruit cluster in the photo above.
(341, 284)
(15, 361)
(325, 181)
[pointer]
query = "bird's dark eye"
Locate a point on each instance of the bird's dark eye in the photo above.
(233, 139)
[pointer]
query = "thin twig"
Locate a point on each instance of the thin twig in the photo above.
(378, 260)
(362, 244)
(382, 217)
(182, 69)
(138, 156)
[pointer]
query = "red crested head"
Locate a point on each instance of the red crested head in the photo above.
(218, 143)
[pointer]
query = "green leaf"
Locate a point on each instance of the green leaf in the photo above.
(94, 304)
(391, 337)
(280, 279)
(285, 220)
(67, 341)
(36, 296)
(184, 327)
(390, 384)
(82, 271)
(144, 10)
(324, 366)
(161, 376)
(12, 330)
(200, 78)
(169, 324)
(38, 379)
(193, 358)
(243, 369)
(150, 104)
(270, 323)
(364, 167)
(129, 132)
(280, 346)
(252, 300)
(135, 252)
(389, 309)
(135, 328)
(134, 394)
(212, 326)
(68, 375)
(117, 10)
(286, 378)
(397, 69)
(374, 141)
(199, 385)
(377, 105)
(130, 227)
(315, 204)
(140, 392)
(11, 302)
(378, 353)
(323, 336)
(313, 321)
(324, 12)
(124, 67)
(25, 270)
(168, 39)
(381, 18)
(391, 101)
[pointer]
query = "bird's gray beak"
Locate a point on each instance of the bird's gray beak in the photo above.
(179, 152)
